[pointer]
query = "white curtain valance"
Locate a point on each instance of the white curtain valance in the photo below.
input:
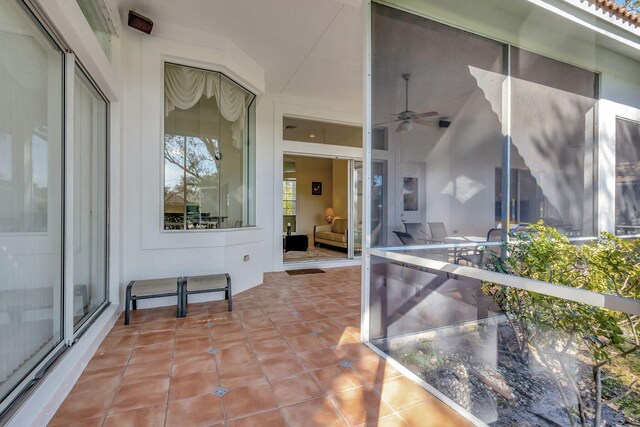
(184, 86)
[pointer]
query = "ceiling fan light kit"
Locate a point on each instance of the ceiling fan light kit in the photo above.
(405, 125)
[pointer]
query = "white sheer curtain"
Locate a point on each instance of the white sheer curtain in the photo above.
(184, 86)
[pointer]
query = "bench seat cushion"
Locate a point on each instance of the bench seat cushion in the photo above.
(150, 287)
(202, 283)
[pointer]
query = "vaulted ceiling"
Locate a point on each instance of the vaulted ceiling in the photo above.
(308, 48)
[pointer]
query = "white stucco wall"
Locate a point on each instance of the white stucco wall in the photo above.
(148, 251)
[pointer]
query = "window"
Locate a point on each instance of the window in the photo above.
(208, 147)
(289, 197)
(627, 177)
(99, 21)
(318, 132)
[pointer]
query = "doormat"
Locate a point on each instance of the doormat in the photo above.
(304, 271)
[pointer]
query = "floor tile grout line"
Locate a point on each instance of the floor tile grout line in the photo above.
(218, 377)
(173, 359)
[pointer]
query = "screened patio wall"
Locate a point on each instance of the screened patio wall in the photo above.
(526, 111)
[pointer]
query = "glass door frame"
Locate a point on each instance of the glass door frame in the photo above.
(85, 322)
(305, 149)
(354, 195)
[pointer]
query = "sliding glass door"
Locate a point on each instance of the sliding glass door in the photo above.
(89, 199)
(53, 200)
(321, 208)
(31, 196)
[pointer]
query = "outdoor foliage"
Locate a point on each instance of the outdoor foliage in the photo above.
(556, 331)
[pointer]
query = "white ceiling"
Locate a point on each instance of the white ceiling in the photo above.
(308, 48)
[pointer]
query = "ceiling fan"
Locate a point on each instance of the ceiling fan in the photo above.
(407, 117)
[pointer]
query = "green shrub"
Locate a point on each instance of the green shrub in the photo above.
(549, 328)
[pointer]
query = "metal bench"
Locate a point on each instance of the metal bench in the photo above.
(208, 283)
(153, 288)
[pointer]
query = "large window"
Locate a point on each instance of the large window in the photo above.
(627, 177)
(208, 151)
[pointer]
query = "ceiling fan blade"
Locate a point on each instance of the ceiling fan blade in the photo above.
(429, 114)
(399, 128)
(424, 123)
(386, 123)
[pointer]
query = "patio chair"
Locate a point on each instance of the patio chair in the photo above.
(438, 231)
(435, 254)
(405, 238)
(478, 257)
(416, 231)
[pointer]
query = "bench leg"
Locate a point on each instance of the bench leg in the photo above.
(128, 304)
(185, 298)
(135, 304)
(227, 293)
(180, 297)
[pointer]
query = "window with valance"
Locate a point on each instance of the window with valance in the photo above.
(208, 150)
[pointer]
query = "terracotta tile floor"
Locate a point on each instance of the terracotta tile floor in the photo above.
(279, 353)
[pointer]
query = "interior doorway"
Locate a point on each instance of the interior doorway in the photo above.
(321, 208)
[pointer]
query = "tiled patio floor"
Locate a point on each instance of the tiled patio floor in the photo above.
(279, 354)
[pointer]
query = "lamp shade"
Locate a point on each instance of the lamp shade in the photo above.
(329, 213)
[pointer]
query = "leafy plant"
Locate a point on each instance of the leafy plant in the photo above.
(553, 329)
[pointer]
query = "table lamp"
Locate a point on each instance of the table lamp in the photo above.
(329, 213)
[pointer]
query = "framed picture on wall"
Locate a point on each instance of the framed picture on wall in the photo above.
(316, 189)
